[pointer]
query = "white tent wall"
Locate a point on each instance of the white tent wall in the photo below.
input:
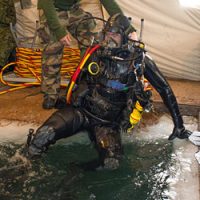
(26, 23)
(171, 32)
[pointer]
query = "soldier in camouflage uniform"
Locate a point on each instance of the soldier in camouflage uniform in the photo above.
(57, 18)
(7, 43)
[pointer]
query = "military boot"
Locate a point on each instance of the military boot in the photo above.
(49, 102)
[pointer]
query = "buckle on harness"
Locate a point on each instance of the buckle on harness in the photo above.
(29, 137)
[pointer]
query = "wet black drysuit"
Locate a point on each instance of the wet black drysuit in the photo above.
(103, 107)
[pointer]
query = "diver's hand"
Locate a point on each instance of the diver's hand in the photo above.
(180, 133)
(125, 125)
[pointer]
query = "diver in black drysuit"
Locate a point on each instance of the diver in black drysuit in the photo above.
(103, 107)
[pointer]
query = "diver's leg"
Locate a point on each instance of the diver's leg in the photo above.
(108, 145)
(63, 123)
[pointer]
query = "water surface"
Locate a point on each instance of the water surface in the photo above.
(143, 174)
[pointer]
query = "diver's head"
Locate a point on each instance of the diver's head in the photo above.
(115, 31)
(112, 40)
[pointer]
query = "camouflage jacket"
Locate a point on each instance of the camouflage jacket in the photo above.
(7, 12)
(49, 8)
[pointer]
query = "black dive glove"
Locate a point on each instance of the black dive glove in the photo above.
(180, 133)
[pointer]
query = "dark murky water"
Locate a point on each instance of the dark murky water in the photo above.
(143, 174)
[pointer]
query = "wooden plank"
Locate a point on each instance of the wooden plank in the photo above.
(188, 110)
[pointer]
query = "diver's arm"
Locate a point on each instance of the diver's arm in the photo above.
(157, 80)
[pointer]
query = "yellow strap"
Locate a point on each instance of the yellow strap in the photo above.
(138, 106)
(135, 116)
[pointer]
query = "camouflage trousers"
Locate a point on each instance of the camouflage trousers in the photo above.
(53, 51)
(7, 44)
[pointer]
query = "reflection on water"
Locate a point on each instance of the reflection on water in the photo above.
(143, 174)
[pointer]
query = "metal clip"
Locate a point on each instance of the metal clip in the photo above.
(29, 136)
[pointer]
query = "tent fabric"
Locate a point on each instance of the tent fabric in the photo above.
(171, 32)
(26, 23)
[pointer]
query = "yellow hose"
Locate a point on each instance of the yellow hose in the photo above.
(28, 65)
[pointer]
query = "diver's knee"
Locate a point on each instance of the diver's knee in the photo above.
(41, 140)
(111, 163)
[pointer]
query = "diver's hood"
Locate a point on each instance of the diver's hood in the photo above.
(117, 23)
